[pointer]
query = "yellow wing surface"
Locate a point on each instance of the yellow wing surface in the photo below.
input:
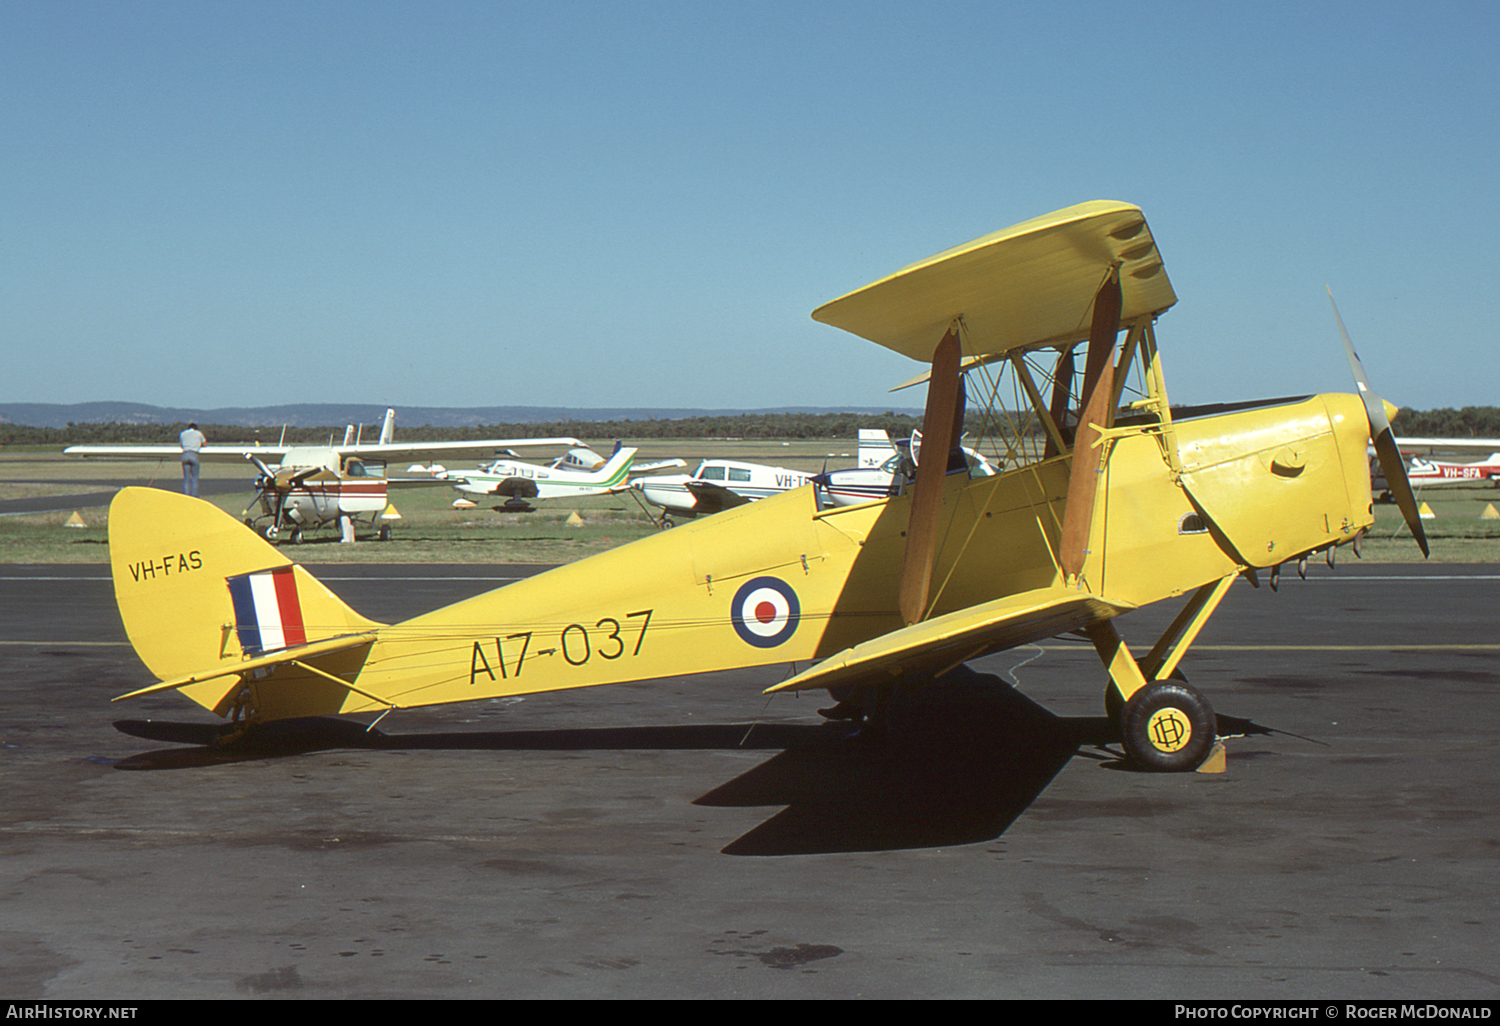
(936, 645)
(1027, 285)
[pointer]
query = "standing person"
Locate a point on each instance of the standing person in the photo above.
(191, 441)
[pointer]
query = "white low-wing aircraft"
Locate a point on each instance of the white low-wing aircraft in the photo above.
(897, 465)
(577, 473)
(874, 448)
(305, 486)
(716, 485)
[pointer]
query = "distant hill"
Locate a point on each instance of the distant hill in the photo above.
(307, 415)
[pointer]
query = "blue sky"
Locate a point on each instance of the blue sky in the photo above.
(638, 204)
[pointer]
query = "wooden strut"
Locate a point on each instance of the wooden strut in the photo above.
(942, 426)
(1098, 399)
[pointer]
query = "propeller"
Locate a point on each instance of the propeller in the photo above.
(1383, 438)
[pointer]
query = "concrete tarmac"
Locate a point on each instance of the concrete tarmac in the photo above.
(93, 499)
(689, 838)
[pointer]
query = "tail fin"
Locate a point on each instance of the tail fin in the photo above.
(874, 447)
(184, 571)
(617, 468)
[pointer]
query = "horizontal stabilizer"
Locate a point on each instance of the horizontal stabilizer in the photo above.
(284, 655)
(937, 644)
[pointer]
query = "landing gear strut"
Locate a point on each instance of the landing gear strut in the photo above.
(1166, 725)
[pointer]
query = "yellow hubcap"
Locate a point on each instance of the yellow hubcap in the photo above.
(1169, 730)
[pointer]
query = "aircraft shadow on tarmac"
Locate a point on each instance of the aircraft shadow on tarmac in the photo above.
(955, 764)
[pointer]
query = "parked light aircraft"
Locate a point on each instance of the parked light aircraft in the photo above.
(1425, 473)
(575, 474)
(869, 483)
(874, 448)
(306, 486)
(1131, 502)
(715, 486)
(880, 473)
(1412, 446)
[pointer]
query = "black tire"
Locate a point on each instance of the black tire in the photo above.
(1168, 727)
(1114, 702)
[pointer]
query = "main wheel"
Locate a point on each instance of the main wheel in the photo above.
(1168, 727)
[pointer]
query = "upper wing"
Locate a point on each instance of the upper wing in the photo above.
(945, 641)
(1431, 445)
(217, 453)
(1027, 285)
(429, 451)
(426, 451)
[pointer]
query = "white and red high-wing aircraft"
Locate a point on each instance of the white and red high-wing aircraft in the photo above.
(1425, 472)
(300, 487)
(885, 469)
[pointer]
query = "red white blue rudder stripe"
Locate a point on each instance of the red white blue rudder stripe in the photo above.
(267, 613)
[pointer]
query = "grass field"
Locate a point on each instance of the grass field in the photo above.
(431, 531)
(428, 531)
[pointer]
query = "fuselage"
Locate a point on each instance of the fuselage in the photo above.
(1424, 473)
(532, 480)
(752, 481)
(316, 485)
(781, 580)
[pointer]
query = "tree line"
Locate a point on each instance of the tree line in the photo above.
(750, 426)
(1467, 422)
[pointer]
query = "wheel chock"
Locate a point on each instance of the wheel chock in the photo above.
(1217, 760)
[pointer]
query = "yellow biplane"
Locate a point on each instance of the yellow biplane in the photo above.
(1108, 499)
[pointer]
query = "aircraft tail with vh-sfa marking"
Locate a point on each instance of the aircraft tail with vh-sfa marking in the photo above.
(205, 601)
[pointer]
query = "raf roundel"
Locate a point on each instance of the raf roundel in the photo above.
(765, 612)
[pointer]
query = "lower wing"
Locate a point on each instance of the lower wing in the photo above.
(936, 645)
